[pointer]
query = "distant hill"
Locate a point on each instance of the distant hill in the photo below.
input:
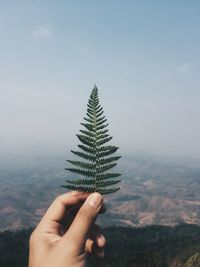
(154, 190)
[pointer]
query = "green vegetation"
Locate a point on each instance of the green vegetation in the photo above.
(152, 246)
(94, 151)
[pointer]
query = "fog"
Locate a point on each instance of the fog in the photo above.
(146, 69)
(161, 124)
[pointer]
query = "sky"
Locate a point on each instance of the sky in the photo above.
(144, 57)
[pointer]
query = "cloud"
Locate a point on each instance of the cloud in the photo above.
(83, 51)
(42, 32)
(182, 69)
(178, 70)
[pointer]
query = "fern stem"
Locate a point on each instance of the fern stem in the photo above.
(95, 129)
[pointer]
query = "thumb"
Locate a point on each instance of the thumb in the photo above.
(79, 229)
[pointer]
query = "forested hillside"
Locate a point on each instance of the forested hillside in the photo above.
(152, 246)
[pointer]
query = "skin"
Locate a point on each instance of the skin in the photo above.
(67, 233)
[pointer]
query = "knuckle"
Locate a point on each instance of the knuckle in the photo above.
(58, 199)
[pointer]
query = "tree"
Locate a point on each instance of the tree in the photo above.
(95, 153)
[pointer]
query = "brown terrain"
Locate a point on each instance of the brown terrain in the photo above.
(154, 190)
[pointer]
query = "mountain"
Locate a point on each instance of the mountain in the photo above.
(154, 190)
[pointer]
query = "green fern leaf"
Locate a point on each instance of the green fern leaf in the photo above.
(84, 155)
(99, 120)
(107, 160)
(106, 167)
(90, 116)
(80, 188)
(102, 127)
(103, 141)
(87, 133)
(87, 149)
(84, 165)
(86, 140)
(98, 123)
(82, 182)
(82, 172)
(106, 183)
(99, 114)
(107, 176)
(108, 148)
(108, 191)
(102, 136)
(89, 120)
(106, 153)
(95, 153)
(102, 132)
(88, 126)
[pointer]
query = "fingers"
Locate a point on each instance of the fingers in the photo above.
(60, 207)
(93, 249)
(78, 231)
(99, 252)
(97, 236)
(96, 243)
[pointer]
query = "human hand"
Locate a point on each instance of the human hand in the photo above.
(67, 233)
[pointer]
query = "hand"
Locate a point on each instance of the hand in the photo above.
(67, 233)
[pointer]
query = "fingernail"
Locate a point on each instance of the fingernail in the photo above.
(100, 237)
(95, 200)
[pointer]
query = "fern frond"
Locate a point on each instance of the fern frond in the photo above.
(107, 183)
(108, 148)
(99, 109)
(83, 165)
(82, 182)
(89, 120)
(88, 189)
(88, 126)
(90, 116)
(87, 149)
(84, 155)
(90, 111)
(102, 132)
(99, 123)
(82, 172)
(99, 114)
(100, 119)
(86, 140)
(93, 149)
(102, 136)
(106, 153)
(108, 191)
(107, 176)
(106, 167)
(87, 133)
(103, 141)
(107, 160)
(102, 127)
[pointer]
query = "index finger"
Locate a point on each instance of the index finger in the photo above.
(61, 205)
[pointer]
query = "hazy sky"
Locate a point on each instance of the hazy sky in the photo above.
(143, 55)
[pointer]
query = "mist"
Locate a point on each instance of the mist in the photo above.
(147, 72)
